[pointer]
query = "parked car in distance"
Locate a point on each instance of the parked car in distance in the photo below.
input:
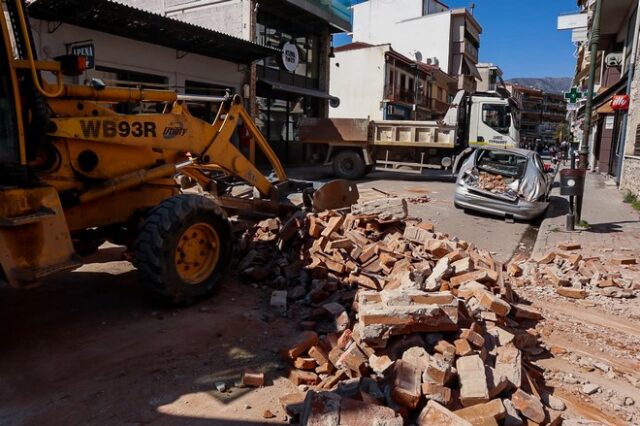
(506, 182)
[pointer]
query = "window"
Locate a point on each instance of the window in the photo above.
(637, 144)
(273, 32)
(501, 162)
(498, 117)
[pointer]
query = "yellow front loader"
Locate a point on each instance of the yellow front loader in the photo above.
(74, 173)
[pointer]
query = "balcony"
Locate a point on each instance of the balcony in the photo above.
(393, 94)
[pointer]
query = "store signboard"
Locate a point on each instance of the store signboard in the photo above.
(573, 21)
(87, 50)
(290, 57)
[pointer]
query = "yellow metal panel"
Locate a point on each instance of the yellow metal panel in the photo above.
(38, 244)
(117, 208)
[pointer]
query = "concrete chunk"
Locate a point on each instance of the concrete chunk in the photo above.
(473, 380)
(509, 364)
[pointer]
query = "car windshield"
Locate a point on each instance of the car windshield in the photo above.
(502, 162)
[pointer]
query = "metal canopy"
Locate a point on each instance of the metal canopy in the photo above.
(126, 21)
(288, 88)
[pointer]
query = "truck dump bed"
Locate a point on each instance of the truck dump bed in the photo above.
(358, 132)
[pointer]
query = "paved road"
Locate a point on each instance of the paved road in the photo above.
(493, 234)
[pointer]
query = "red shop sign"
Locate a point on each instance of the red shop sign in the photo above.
(620, 102)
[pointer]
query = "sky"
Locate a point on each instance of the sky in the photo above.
(520, 36)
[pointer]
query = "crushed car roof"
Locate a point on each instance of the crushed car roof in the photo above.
(519, 151)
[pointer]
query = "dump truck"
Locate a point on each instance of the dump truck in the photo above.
(74, 173)
(355, 147)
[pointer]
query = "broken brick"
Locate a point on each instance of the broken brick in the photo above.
(571, 292)
(252, 378)
(435, 414)
(406, 389)
(302, 345)
(529, 406)
(301, 377)
(481, 414)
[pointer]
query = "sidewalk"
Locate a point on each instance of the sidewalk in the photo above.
(612, 223)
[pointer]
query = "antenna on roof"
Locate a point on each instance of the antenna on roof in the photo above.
(472, 7)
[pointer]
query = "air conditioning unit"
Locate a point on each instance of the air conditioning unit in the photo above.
(613, 60)
(433, 61)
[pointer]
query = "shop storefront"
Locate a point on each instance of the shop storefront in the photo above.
(293, 85)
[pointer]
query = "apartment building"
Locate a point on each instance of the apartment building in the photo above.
(283, 88)
(614, 145)
(490, 78)
(426, 31)
(396, 87)
(539, 114)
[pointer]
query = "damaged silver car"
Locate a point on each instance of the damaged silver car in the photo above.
(506, 182)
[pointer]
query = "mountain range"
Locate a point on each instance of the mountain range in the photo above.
(546, 84)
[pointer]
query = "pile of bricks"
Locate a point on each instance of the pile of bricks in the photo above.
(577, 277)
(401, 324)
(491, 182)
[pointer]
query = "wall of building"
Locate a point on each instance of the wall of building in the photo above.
(371, 19)
(231, 17)
(141, 57)
(631, 165)
(359, 97)
(405, 29)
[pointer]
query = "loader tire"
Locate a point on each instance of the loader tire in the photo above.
(349, 165)
(183, 249)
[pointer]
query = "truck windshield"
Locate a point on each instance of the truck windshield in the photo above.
(498, 117)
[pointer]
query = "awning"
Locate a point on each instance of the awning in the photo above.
(289, 88)
(601, 101)
(121, 20)
(472, 68)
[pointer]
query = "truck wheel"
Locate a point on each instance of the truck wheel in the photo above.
(183, 248)
(348, 165)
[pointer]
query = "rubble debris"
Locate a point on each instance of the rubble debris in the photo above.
(396, 317)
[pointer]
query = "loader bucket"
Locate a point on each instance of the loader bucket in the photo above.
(337, 194)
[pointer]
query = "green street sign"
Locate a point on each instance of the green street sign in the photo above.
(574, 95)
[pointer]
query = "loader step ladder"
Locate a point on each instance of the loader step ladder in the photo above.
(26, 219)
(36, 274)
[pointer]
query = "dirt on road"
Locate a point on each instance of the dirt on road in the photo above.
(90, 348)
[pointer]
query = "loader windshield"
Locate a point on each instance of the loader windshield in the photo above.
(9, 149)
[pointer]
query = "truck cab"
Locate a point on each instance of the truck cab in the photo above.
(492, 121)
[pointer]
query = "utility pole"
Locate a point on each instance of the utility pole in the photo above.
(595, 40)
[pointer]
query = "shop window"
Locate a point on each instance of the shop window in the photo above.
(204, 110)
(273, 32)
(126, 78)
(279, 119)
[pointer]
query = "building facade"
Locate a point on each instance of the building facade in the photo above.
(611, 136)
(396, 87)
(282, 88)
(157, 56)
(425, 30)
(490, 78)
(540, 115)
